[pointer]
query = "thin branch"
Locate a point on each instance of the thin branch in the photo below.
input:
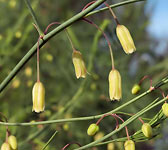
(48, 142)
(33, 15)
(113, 6)
(70, 119)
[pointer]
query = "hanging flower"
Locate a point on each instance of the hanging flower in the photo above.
(80, 69)
(125, 39)
(115, 90)
(38, 97)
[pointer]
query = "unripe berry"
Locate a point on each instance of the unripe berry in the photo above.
(165, 109)
(5, 146)
(147, 130)
(93, 128)
(110, 146)
(135, 89)
(12, 142)
(129, 145)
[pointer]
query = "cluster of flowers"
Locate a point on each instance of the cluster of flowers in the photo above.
(115, 91)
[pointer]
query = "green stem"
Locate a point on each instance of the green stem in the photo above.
(113, 6)
(106, 38)
(127, 122)
(33, 16)
(63, 120)
(128, 114)
(123, 139)
(67, 23)
(112, 13)
(48, 142)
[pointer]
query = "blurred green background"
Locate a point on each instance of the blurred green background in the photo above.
(66, 96)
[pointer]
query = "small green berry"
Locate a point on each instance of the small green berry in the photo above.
(135, 89)
(93, 128)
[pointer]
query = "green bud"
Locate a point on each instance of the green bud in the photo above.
(12, 142)
(165, 109)
(135, 89)
(129, 145)
(93, 128)
(147, 130)
(5, 146)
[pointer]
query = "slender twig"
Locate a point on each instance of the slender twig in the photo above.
(33, 15)
(88, 5)
(113, 14)
(67, 145)
(126, 129)
(7, 129)
(58, 23)
(105, 36)
(113, 6)
(48, 142)
(38, 61)
(66, 120)
(128, 114)
(113, 115)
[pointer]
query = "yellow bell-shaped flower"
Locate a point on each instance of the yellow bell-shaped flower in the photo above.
(147, 130)
(115, 90)
(93, 128)
(5, 146)
(129, 145)
(135, 89)
(165, 109)
(12, 142)
(80, 69)
(38, 97)
(125, 39)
